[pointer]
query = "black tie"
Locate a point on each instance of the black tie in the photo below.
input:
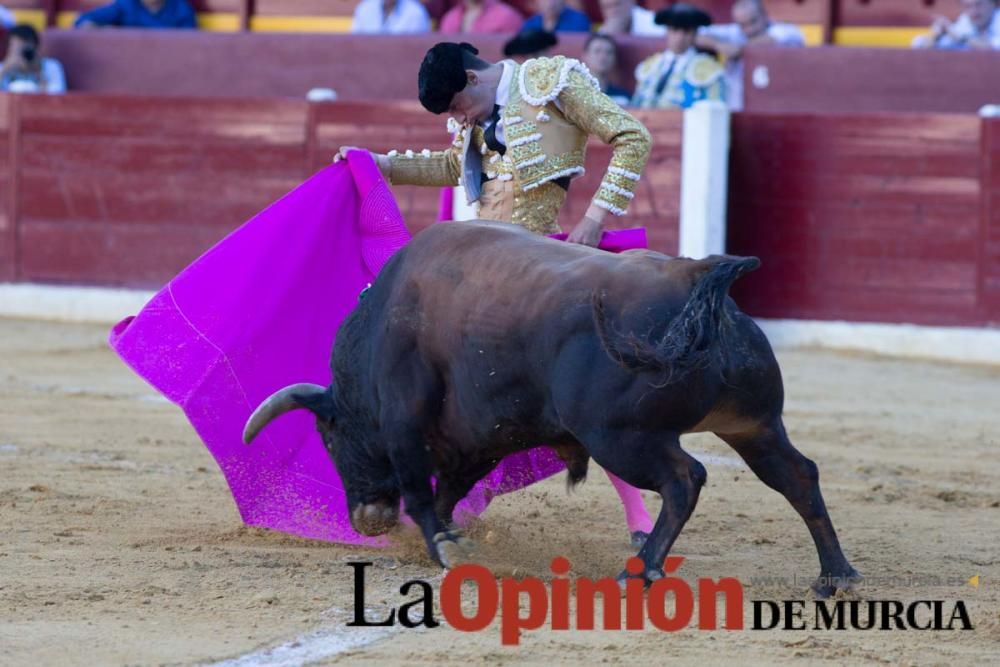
(663, 81)
(490, 135)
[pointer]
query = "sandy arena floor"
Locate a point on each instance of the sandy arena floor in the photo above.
(121, 545)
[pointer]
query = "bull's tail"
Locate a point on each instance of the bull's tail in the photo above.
(690, 339)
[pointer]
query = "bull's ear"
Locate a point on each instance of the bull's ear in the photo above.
(320, 404)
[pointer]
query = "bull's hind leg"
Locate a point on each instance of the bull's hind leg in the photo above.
(773, 458)
(657, 464)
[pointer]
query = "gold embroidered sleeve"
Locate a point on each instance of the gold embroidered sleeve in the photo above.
(595, 113)
(441, 168)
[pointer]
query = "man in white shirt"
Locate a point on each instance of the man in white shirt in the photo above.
(391, 17)
(978, 27)
(751, 26)
(624, 17)
(24, 70)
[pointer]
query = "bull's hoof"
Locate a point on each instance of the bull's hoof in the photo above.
(638, 539)
(374, 518)
(647, 578)
(829, 584)
(453, 549)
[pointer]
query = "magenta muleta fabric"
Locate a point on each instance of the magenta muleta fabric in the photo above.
(259, 311)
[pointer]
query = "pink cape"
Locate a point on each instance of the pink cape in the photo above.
(259, 311)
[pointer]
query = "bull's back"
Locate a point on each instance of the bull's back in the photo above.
(490, 281)
(492, 313)
(500, 267)
(474, 293)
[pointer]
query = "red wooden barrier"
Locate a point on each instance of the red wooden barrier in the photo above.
(878, 217)
(989, 233)
(126, 191)
(8, 191)
(864, 218)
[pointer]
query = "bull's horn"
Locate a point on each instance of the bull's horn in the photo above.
(276, 405)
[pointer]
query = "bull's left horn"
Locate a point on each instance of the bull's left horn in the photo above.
(276, 405)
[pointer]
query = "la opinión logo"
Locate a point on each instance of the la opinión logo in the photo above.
(528, 603)
(629, 609)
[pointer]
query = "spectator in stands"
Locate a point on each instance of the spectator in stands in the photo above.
(24, 70)
(482, 16)
(7, 19)
(624, 17)
(529, 44)
(393, 17)
(555, 16)
(679, 76)
(140, 14)
(600, 55)
(978, 27)
(751, 26)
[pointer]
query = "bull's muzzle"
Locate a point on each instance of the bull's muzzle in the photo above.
(374, 518)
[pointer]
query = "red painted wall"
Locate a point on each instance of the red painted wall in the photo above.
(122, 191)
(126, 191)
(865, 217)
(989, 232)
(271, 64)
(8, 190)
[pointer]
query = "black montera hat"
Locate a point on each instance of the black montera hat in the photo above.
(442, 75)
(683, 17)
(530, 41)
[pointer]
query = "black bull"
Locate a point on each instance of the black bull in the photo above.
(479, 340)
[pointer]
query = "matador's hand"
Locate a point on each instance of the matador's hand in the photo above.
(343, 151)
(587, 232)
(383, 162)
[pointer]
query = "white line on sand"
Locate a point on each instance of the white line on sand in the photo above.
(311, 647)
(320, 644)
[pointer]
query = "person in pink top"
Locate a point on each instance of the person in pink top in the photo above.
(483, 16)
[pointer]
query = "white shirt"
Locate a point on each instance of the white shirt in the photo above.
(961, 31)
(52, 72)
(408, 16)
(783, 34)
(503, 97)
(644, 23)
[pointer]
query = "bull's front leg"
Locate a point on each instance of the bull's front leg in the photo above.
(412, 466)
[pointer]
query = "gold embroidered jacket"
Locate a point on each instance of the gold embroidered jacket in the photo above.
(554, 105)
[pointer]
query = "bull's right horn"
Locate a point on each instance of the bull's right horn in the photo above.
(276, 405)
